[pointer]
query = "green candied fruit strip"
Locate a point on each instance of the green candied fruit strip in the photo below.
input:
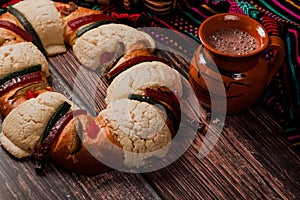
(61, 111)
(27, 26)
(21, 72)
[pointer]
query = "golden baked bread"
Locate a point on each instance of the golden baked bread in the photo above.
(46, 22)
(70, 12)
(69, 151)
(8, 37)
(21, 56)
(128, 133)
(142, 75)
(140, 128)
(24, 126)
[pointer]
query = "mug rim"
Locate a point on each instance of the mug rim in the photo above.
(208, 46)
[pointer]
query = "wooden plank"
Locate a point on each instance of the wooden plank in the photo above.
(80, 82)
(18, 180)
(251, 160)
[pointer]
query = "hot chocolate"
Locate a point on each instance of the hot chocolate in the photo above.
(234, 44)
(232, 41)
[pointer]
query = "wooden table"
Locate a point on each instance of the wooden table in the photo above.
(251, 160)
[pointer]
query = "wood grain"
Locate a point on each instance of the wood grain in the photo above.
(20, 181)
(251, 159)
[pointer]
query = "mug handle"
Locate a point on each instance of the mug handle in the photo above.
(275, 44)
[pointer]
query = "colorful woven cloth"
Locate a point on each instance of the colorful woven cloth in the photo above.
(281, 18)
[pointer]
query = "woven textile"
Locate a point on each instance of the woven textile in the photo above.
(281, 18)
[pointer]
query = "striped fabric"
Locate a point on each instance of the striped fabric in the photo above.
(283, 95)
(279, 17)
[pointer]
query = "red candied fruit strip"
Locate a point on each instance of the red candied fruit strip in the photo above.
(55, 132)
(9, 3)
(81, 21)
(92, 129)
(31, 94)
(16, 29)
(169, 98)
(133, 61)
(19, 81)
(59, 8)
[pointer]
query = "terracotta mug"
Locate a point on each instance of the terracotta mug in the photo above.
(245, 74)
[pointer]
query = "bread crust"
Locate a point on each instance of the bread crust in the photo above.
(87, 159)
(8, 102)
(139, 128)
(20, 56)
(69, 34)
(143, 75)
(46, 21)
(8, 37)
(25, 124)
(12, 148)
(105, 40)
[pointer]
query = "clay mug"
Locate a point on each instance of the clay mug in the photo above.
(245, 74)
